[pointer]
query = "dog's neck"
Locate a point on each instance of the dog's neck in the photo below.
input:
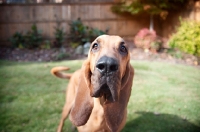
(98, 107)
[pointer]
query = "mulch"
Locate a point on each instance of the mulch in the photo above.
(57, 54)
(38, 55)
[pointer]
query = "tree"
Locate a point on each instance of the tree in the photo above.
(152, 7)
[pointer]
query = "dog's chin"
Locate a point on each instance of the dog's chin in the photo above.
(105, 94)
(106, 87)
(106, 99)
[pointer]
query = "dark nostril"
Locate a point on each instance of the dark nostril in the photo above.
(113, 68)
(101, 66)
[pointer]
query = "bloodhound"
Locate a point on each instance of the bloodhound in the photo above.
(98, 93)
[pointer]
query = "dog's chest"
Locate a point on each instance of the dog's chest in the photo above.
(98, 111)
(96, 121)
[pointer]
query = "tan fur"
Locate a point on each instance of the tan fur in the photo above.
(91, 114)
(56, 71)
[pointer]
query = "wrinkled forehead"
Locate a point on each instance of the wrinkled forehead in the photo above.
(109, 46)
(109, 40)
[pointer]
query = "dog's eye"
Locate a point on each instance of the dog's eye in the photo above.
(123, 49)
(95, 47)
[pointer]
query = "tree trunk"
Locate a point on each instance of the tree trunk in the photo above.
(151, 26)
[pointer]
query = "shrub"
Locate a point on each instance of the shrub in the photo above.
(17, 40)
(32, 39)
(187, 38)
(77, 31)
(80, 34)
(59, 37)
(147, 39)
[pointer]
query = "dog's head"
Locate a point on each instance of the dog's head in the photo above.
(109, 59)
(106, 74)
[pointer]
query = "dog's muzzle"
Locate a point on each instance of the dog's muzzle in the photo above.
(108, 69)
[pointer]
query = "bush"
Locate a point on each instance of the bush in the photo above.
(32, 39)
(59, 37)
(17, 40)
(147, 39)
(80, 34)
(187, 38)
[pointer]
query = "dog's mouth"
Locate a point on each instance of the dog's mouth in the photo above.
(104, 93)
(106, 87)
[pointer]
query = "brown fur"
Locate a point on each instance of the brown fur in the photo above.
(98, 114)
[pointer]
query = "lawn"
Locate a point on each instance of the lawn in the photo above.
(165, 97)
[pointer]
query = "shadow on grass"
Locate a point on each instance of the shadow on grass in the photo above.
(151, 122)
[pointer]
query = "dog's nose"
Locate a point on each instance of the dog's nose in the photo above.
(107, 65)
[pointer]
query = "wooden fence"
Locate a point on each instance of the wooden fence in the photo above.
(20, 17)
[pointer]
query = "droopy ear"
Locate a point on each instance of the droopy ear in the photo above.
(115, 112)
(128, 73)
(83, 104)
(87, 75)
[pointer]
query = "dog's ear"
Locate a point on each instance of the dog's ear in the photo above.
(83, 104)
(128, 73)
(115, 112)
(87, 75)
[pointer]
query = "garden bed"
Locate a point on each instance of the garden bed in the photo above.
(38, 55)
(56, 54)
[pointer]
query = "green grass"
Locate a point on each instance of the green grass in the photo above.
(165, 97)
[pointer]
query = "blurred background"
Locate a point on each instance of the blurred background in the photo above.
(59, 29)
